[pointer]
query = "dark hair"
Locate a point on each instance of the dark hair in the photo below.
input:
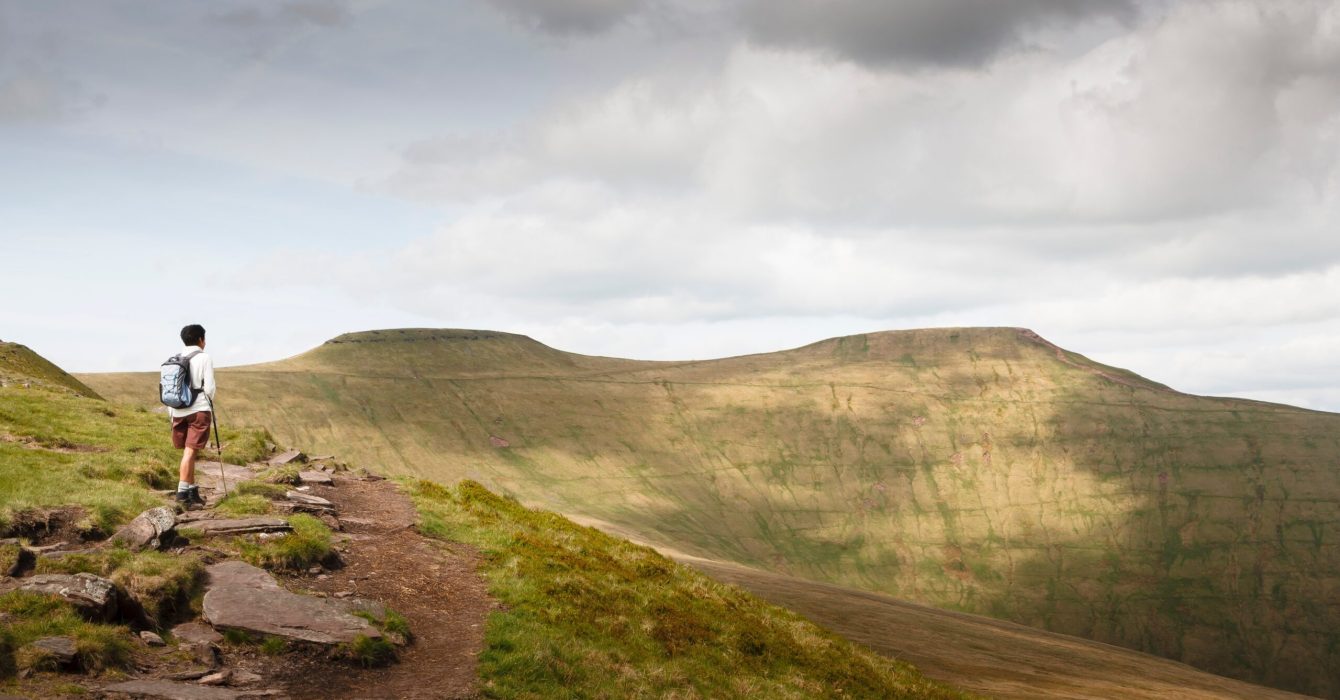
(192, 334)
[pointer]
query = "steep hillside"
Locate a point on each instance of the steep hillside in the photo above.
(20, 365)
(980, 470)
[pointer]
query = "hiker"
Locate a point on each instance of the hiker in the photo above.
(190, 422)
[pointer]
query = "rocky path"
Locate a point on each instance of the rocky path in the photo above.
(436, 588)
(384, 564)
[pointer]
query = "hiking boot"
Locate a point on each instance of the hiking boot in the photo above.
(193, 496)
(184, 501)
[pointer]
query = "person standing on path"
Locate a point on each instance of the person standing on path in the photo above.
(190, 425)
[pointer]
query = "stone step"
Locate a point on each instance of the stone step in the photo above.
(308, 499)
(237, 526)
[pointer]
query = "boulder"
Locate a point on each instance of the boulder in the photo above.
(93, 596)
(288, 457)
(149, 530)
(239, 526)
(243, 597)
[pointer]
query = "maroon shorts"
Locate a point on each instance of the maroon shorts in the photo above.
(191, 431)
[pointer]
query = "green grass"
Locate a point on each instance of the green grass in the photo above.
(588, 615)
(307, 544)
(163, 584)
(239, 504)
(36, 616)
(58, 449)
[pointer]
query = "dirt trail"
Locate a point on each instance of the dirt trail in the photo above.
(436, 587)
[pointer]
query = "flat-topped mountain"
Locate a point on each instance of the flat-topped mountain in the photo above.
(981, 470)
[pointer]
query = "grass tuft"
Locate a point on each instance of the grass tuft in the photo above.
(370, 652)
(308, 544)
(239, 504)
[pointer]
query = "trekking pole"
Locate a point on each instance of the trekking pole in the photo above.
(214, 416)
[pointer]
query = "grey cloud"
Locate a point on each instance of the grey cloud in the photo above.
(569, 17)
(289, 15)
(917, 33)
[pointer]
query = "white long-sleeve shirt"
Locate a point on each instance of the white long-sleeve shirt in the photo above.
(202, 376)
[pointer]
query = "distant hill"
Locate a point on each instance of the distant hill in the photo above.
(983, 470)
(20, 365)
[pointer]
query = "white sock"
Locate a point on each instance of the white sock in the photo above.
(183, 486)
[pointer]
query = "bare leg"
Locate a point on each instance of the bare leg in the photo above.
(187, 472)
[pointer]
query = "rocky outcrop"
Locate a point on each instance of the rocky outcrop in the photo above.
(242, 597)
(93, 596)
(149, 530)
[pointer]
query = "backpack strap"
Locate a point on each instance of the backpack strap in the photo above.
(187, 357)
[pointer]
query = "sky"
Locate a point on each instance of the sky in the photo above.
(1152, 183)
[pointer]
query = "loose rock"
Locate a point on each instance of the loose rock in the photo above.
(219, 678)
(61, 650)
(152, 639)
(288, 457)
(149, 529)
(308, 499)
(196, 633)
(243, 597)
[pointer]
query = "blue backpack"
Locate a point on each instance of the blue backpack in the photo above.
(174, 381)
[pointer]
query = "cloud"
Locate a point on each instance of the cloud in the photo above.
(1215, 110)
(569, 17)
(286, 15)
(916, 33)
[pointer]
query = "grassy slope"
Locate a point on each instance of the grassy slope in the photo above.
(585, 614)
(981, 470)
(665, 632)
(19, 364)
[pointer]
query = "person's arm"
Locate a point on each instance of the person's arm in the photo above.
(208, 374)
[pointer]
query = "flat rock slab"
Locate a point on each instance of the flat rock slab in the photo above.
(196, 633)
(308, 499)
(238, 526)
(243, 597)
(315, 477)
(288, 457)
(93, 596)
(207, 475)
(62, 649)
(170, 689)
(147, 530)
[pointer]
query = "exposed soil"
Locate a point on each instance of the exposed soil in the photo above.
(434, 585)
(43, 526)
